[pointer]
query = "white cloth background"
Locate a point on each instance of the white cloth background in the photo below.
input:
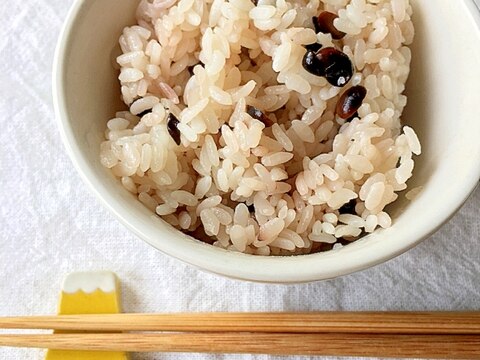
(50, 224)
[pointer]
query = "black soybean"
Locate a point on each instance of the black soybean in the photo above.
(352, 117)
(313, 47)
(143, 113)
(172, 126)
(338, 67)
(350, 101)
(348, 208)
(312, 64)
(259, 115)
(331, 63)
(324, 23)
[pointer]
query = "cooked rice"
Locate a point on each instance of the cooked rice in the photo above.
(306, 184)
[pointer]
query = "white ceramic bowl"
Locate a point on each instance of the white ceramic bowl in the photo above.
(444, 98)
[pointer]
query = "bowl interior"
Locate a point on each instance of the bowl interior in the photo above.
(442, 92)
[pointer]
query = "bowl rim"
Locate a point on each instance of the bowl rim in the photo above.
(284, 269)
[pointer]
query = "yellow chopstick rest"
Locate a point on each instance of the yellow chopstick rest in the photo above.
(89, 293)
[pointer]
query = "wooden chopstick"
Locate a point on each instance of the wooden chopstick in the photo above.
(316, 322)
(375, 345)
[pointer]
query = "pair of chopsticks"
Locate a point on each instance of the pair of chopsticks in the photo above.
(447, 335)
